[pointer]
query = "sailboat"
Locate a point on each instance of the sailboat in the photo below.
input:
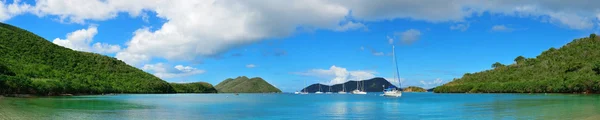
(329, 92)
(343, 89)
(304, 90)
(358, 91)
(391, 91)
(319, 92)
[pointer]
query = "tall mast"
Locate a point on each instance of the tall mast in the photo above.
(305, 85)
(396, 75)
(319, 86)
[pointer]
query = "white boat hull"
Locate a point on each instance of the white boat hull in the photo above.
(359, 92)
(318, 92)
(392, 93)
(341, 92)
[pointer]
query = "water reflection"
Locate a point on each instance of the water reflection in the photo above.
(286, 106)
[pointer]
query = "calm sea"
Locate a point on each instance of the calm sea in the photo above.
(312, 106)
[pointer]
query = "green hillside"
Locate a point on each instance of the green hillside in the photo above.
(195, 87)
(414, 89)
(243, 84)
(29, 64)
(574, 68)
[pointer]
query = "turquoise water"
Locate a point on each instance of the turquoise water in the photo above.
(312, 106)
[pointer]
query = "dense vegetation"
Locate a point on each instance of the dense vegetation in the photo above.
(414, 89)
(243, 84)
(30, 64)
(195, 87)
(371, 85)
(574, 68)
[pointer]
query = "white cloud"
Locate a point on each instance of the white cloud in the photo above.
(362, 47)
(196, 29)
(163, 71)
(461, 27)
(433, 83)
(106, 48)
(350, 26)
(250, 66)
(409, 36)
(78, 11)
(395, 81)
(80, 40)
(216, 26)
(338, 75)
(8, 11)
(501, 28)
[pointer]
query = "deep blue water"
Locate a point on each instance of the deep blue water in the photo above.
(309, 107)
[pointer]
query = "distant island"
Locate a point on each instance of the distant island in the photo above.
(574, 68)
(29, 64)
(244, 84)
(414, 89)
(371, 85)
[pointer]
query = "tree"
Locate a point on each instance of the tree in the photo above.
(592, 36)
(497, 65)
(519, 58)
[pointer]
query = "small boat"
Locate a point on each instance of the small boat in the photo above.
(329, 92)
(304, 90)
(319, 92)
(358, 91)
(296, 92)
(343, 89)
(392, 91)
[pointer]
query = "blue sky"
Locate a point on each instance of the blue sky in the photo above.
(287, 43)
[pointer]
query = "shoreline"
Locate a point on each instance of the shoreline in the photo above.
(109, 94)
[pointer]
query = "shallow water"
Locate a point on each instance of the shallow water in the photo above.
(312, 106)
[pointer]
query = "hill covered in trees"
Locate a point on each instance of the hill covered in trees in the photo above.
(29, 64)
(414, 89)
(195, 87)
(574, 68)
(244, 84)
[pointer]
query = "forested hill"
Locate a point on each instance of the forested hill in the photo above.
(244, 84)
(574, 68)
(29, 64)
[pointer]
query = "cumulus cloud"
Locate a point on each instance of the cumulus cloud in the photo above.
(216, 26)
(338, 75)
(501, 28)
(194, 29)
(78, 11)
(8, 11)
(80, 40)
(461, 27)
(164, 71)
(250, 66)
(409, 36)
